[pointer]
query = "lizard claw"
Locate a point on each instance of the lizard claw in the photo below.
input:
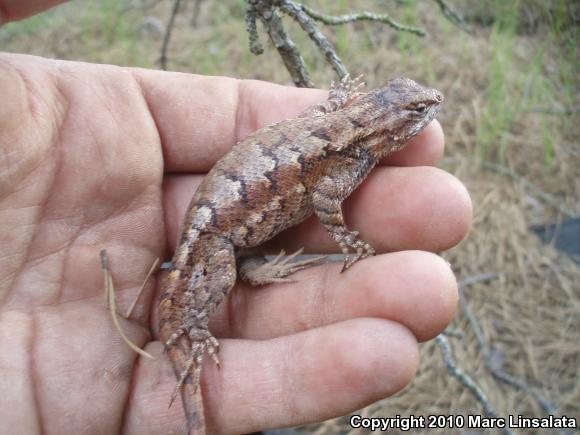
(347, 85)
(363, 249)
(174, 337)
(202, 341)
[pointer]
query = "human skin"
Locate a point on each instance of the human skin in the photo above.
(95, 156)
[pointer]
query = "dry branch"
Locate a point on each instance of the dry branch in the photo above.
(556, 110)
(266, 12)
(531, 186)
(334, 20)
(466, 380)
(140, 292)
(499, 374)
(195, 13)
(307, 18)
(167, 36)
(112, 303)
(452, 15)
(296, 12)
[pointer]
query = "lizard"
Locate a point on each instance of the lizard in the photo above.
(272, 180)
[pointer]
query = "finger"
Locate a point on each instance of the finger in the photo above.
(423, 150)
(11, 10)
(200, 118)
(71, 352)
(414, 288)
(395, 209)
(291, 380)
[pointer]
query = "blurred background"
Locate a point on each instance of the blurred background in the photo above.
(509, 72)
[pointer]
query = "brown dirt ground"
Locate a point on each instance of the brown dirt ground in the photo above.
(529, 316)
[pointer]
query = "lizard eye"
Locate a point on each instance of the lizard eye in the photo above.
(420, 108)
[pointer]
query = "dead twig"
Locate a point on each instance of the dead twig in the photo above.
(167, 36)
(467, 309)
(296, 11)
(531, 186)
(250, 17)
(134, 303)
(450, 363)
(499, 374)
(195, 13)
(111, 302)
(555, 110)
(449, 13)
(335, 20)
(266, 12)
(466, 380)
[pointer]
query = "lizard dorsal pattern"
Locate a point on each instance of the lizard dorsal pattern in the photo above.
(274, 179)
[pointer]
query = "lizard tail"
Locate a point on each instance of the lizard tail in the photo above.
(191, 398)
(178, 353)
(204, 272)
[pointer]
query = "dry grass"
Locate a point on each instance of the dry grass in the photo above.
(495, 81)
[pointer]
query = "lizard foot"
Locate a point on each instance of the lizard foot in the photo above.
(349, 241)
(276, 270)
(345, 89)
(202, 342)
(339, 95)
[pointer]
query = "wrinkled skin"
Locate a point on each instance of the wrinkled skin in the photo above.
(94, 156)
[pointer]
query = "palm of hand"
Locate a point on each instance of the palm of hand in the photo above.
(81, 173)
(82, 168)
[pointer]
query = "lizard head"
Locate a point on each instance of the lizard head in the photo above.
(396, 113)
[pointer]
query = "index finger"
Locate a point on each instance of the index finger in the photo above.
(200, 118)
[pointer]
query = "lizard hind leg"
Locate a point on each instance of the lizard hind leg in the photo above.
(256, 270)
(204, 273)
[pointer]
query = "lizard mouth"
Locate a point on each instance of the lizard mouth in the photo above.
(437, 96)
(432, 112)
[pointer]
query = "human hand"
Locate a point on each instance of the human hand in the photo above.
(98, 156)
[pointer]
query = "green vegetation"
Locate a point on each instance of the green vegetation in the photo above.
(523, 53)
(512, 96)
(504, 88)
(521, 82)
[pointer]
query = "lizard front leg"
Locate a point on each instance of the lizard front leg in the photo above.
(327, 198)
